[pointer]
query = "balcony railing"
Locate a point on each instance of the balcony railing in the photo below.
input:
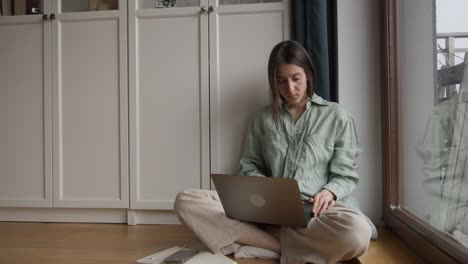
(454, 61)
(450, 50)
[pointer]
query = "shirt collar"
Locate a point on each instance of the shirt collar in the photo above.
(316, 99)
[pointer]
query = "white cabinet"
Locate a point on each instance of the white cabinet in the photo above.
(87, 122)
(66, 87)
(197, 61)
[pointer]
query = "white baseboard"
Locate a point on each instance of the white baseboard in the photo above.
(159, 217)
(78, 215)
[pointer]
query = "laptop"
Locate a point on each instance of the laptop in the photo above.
(266, 200)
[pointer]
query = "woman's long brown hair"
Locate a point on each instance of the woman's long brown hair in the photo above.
(288, 52)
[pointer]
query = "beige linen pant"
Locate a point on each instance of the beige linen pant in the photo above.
(336, 235)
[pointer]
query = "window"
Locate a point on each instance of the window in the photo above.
(425, 125)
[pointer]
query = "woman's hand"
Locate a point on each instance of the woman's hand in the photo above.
(322, 201)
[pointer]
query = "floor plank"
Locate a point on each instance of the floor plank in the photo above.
(68, 243)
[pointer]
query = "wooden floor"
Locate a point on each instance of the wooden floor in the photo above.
(55, 243)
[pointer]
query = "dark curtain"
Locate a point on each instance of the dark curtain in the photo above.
(314, 27)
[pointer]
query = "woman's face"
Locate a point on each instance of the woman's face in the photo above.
(292, 84)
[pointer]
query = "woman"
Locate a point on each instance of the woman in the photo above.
(300, 136)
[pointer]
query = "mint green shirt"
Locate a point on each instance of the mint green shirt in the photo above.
(319, 150)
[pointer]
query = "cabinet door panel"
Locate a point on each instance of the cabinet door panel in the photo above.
(25, 153)
(89, 110)
(167, 153)
(238, 74)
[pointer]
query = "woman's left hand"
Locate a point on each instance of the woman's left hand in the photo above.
(322, 201)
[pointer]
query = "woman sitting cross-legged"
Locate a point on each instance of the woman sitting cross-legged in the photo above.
(299, 136)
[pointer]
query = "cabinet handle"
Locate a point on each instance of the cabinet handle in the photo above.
(52, 16)
(45, 17)
(211, 9)
(204, 9)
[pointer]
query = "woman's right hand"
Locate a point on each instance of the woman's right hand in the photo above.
(322, 201)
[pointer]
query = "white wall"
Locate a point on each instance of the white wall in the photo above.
(359, 93)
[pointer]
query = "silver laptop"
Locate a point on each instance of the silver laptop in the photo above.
(265, 200)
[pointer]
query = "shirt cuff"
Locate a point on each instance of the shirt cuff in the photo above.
(336, 189)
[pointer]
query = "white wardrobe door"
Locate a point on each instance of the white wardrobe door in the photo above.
(242, 42)
(25, 113)
(89, 108)
(168, 137)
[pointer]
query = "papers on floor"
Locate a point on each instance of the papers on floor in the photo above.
(203, 257)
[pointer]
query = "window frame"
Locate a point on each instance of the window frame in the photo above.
(429, 243)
